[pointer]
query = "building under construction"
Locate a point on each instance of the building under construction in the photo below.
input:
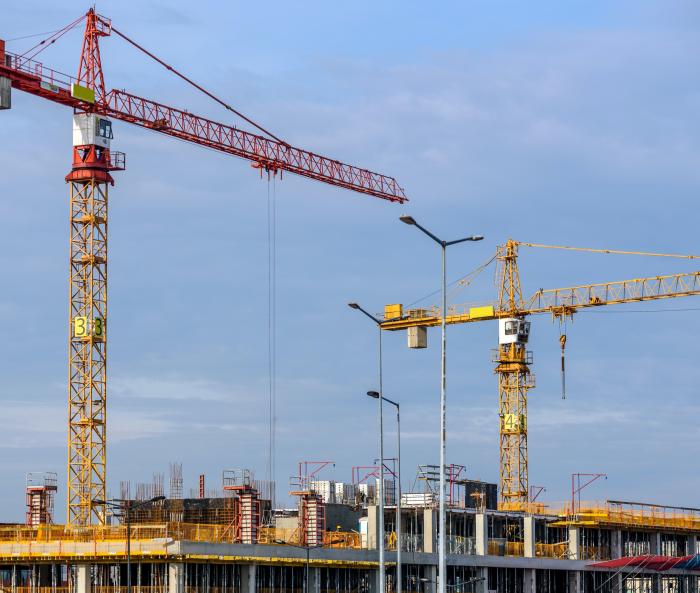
(237, 543)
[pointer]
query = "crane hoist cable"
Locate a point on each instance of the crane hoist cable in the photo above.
(272, 326)
(562, 343)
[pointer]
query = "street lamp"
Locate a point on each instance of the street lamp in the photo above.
(308, 549)
(442, 565)
(126, 506)
(375, 395)
(380, 544)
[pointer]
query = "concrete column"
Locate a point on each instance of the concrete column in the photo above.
(574, 546)
(372, 527)
(315, 580)
(374, 581)
(529, 580)
(616, 544)
(691, 545)
(176, 577)
(248, 578)
(575, 582)
(530, 548)
(431, 575)
(82, 579)
(481, 533)
(655, 543)
(482, 586)
(430, 523)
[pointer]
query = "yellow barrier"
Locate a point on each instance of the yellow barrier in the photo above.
(176, 531)
(632, 515)
(559, 550)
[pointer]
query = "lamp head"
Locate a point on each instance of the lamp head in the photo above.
(478, 238)
(353, 305)
(374, 394)
(407, 219)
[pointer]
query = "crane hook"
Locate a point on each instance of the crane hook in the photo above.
(562, 341)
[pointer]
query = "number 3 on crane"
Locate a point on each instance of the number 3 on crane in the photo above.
(82, 327)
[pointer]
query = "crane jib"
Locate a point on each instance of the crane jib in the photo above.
(33, 77)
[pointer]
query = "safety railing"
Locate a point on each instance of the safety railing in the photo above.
(634, 515)
(594, 553)
(558, 550)
(134, 589)
(502, 547)
(457, 544)
(24, 589)
(167, 531)
(274, 535)
(50, 77)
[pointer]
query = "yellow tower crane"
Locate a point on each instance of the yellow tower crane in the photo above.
(512, 358)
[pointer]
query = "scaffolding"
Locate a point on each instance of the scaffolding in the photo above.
(246, 504)
(40, 491)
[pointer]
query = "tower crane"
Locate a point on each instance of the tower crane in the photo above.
(512, 359)
(94, 108)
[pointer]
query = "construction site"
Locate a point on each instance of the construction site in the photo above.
(231, 532)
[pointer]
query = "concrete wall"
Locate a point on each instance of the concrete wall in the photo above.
(343, 516)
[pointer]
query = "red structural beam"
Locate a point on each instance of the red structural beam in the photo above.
(34, 78)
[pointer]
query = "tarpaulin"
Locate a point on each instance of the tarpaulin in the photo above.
(652, 562)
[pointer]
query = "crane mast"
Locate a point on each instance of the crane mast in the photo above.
(89, 182)
(514, 382)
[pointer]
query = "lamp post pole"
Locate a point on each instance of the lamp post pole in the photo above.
(442, 564)
(398, 502)
(126, 507)
(380, 489)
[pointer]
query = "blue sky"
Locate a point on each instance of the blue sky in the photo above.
(565, 123)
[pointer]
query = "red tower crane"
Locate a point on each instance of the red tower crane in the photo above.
(90, 178)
